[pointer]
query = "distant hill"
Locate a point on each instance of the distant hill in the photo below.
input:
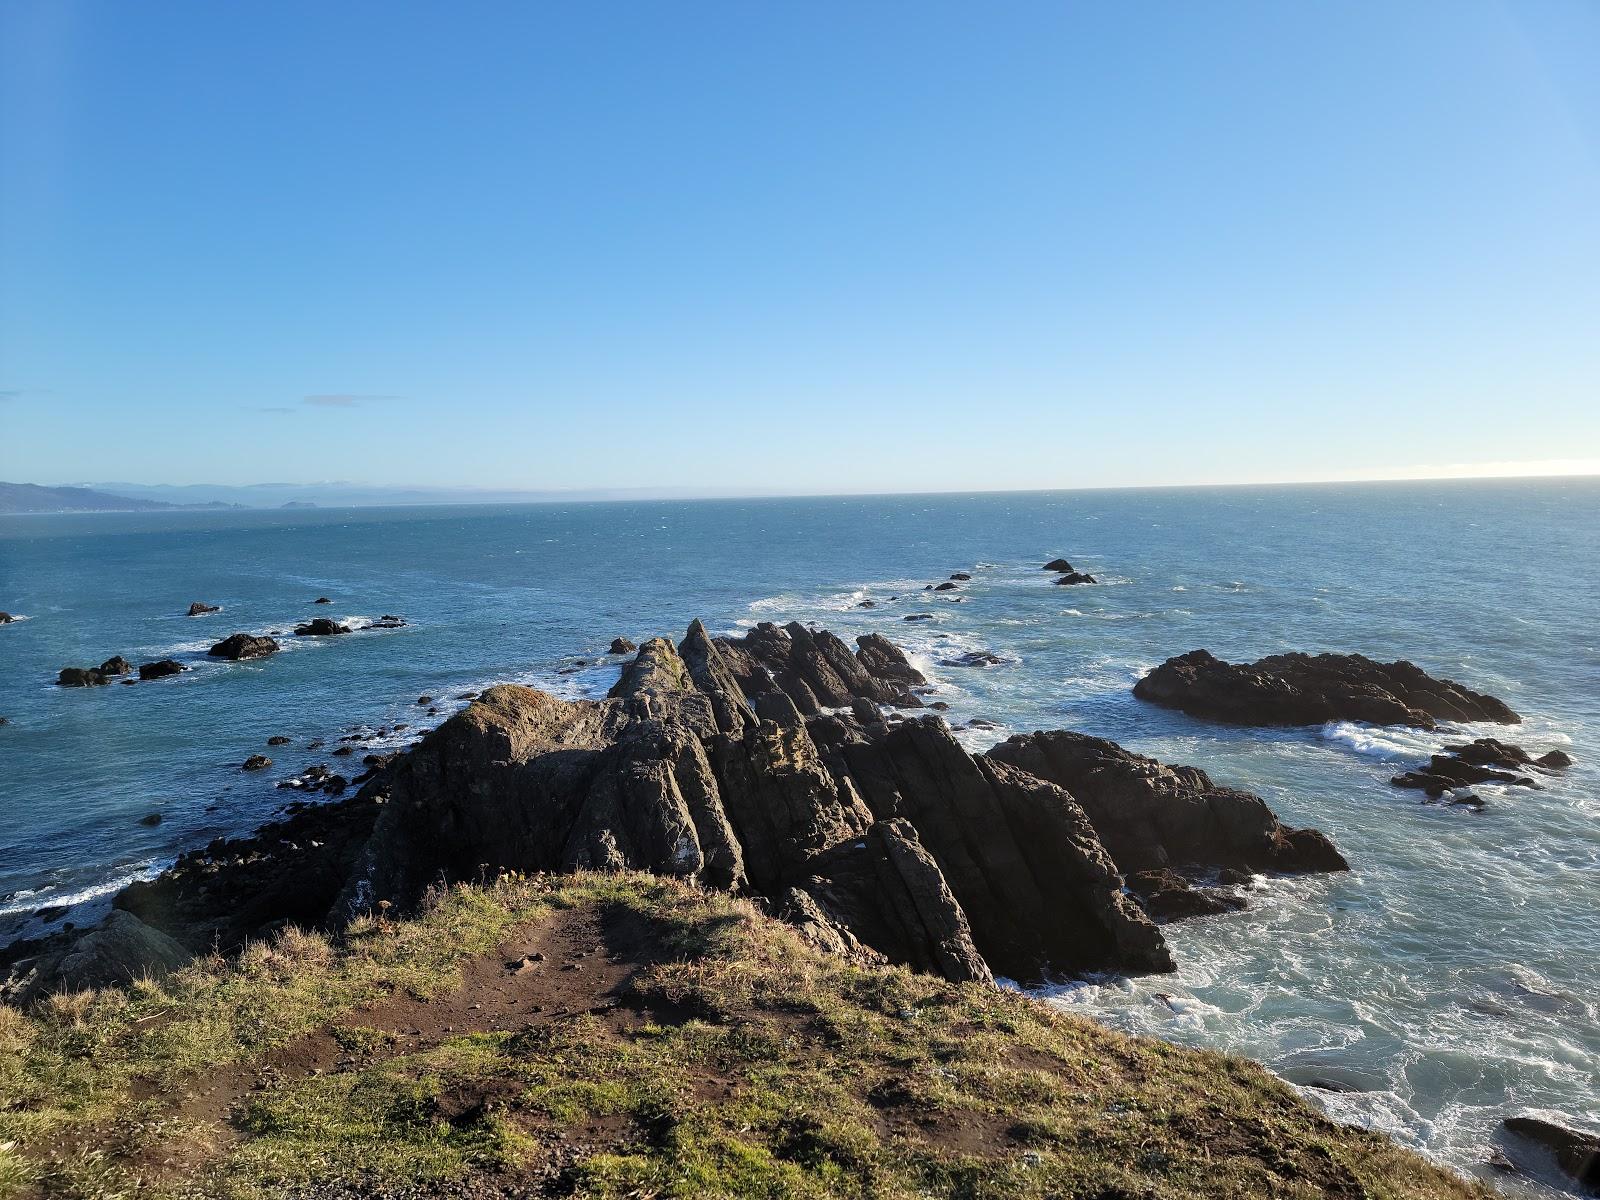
(31, 498)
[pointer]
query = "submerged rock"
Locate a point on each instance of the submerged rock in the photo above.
(240, 646)
(1299, 689)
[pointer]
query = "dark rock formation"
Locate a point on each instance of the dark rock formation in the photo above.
(1168, 896)
(759, 765)
(322, 600)
(320, 627)
(200, 609)
(1486, 760)
(80, 677)
(243, 645)
(1073, 577)
(917, 617)
(1151, 816)
(946, 586)
(1577, 1153)
(151, 819)
(115, 666)
(6, 618)
(161, 668)
(388, 621)
(961, 577)
(257, 762)
(277, 739)
(1299, 689)
(621, 645)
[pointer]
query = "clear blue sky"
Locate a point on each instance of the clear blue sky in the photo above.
(806, 246)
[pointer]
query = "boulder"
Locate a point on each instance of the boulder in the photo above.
(80, 677)
(121, 950)
(1555, 760)
(257, 762)
(320, 627)
(322, 600)
(1576, 1152)
(1074, 577)
(621, 645)
(161, 668)
(200, 609)
(277, 739)
(115, 666)
(1058, 564)
(961, 577)
(239, 646)
(1299, 689)
(946, 586)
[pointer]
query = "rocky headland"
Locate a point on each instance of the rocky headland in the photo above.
(778, 766)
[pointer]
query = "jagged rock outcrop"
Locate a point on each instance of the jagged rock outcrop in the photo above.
(199, 608)
(1074, 577)
(761, 765)
(1301, 689)
(161, 668)
(239, 646)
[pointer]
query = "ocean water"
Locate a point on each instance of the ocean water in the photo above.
(1448, 980)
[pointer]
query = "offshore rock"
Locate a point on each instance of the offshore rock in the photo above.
(1299, 689)
(320, 627)
(199, 608)
(239, 646)
(161, 668)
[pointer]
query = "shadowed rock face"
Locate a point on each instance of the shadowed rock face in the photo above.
(717, 760)
(1151, 816)
(1299, 689)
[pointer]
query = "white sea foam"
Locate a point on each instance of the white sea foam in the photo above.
(45, 897)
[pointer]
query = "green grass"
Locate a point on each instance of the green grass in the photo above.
(767, 1070)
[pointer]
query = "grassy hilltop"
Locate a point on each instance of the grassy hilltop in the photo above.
(627, 1036)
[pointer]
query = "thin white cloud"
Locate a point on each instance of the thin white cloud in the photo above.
(344, 400)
